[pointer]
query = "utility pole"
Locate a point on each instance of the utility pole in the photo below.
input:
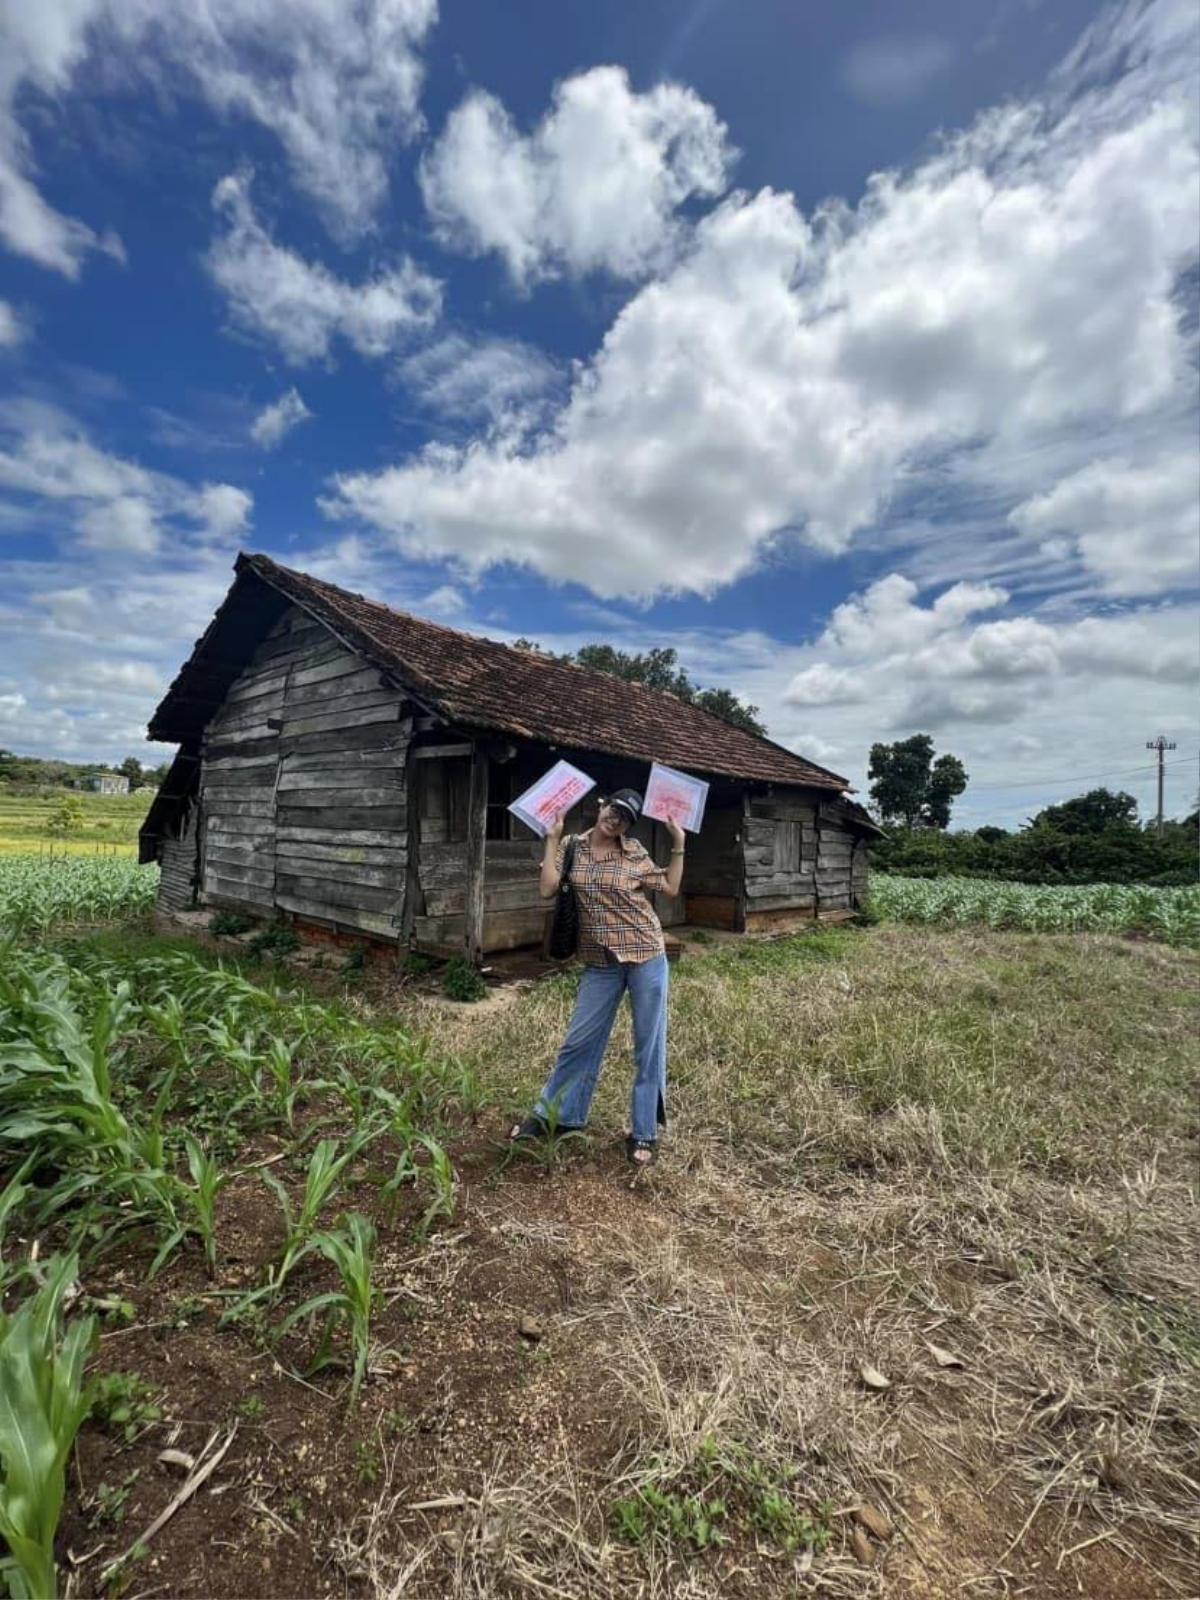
(1160, 744)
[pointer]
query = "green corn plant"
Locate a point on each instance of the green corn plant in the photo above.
(441, 1181)
(199, 1201)
(547, 1147)
(242, 1053)
(43, 1402)
(350, 1248)
(279, 1063)
(168, 1022)
(56, 1093)
(209, 1180)
(325, 1168)
(459, 1081)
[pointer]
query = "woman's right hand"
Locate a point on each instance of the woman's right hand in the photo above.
(548, 878)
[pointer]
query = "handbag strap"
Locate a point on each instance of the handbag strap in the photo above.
(568, 861)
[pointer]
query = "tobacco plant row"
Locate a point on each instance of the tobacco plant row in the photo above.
(1172, 915)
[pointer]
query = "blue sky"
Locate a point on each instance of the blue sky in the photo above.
(849, 349)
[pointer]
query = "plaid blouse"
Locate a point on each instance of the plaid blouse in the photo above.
(616, 920)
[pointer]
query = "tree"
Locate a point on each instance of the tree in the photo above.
(1093, 812)
(909, 786)
(658, 668)
(131, 768)
(725, 704)
(67, 816)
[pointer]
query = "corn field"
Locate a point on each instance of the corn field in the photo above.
(1172, 915)
(40, 891)
(131, 1089)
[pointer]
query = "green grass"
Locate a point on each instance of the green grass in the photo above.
(110, 822)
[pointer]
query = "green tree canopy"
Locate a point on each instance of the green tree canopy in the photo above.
(658, 668)
(909, 786)
(1093, 812)
(131, 768)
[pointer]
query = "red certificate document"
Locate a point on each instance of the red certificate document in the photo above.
(676, 794)
(563, 787)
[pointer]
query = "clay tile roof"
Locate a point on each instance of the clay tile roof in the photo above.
(480, 683)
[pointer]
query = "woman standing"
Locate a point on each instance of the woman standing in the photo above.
(621, 945)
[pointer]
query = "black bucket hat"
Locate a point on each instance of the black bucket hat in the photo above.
(629, 800)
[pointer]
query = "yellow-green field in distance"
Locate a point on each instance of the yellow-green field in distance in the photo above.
(109, 826)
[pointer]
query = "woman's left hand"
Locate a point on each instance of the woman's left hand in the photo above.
(676, 832)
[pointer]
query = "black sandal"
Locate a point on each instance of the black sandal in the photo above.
(534, 1127)
(634, 1147)
(530, 1127)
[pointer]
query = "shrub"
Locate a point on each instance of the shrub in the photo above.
(230, 922)
(278, 940)
(461, 981)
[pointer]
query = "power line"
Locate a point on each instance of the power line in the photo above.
(1083, 777)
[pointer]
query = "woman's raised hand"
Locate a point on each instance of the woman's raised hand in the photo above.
(555, 831)
(676, 832)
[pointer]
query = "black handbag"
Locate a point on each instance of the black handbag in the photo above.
(564, 929)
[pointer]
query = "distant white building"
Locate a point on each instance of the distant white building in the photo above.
(105, 782)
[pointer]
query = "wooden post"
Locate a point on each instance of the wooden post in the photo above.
(414, 901)
(476, 847)
(739, 889)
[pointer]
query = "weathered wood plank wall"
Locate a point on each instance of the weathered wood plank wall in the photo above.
(303, 785)
(177, 866)
(799, 857)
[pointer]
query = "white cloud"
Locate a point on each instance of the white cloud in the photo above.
(594, 187)
(52, 460)
(444, 601)
(338, 84)
(783, 376)
(474, 378)
(1026, 698)
(300, 306)
(222, 510)
(11, 331)
(276, 421)
(886, 617)
(94, 639)
(892, 71)
(915, 663)
(111, 504)
(126, 523)
(1136, 527)
(823, 685)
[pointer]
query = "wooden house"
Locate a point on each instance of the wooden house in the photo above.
(350, 766)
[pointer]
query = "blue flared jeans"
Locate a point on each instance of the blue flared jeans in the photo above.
(573, 1080)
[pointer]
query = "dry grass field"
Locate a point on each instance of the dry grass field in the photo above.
(908, 1304)
(907, 1307)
